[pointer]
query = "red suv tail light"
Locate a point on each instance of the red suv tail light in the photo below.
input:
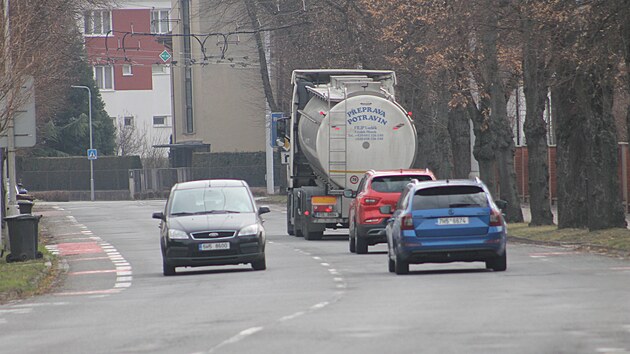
(496, 219)
(370, 201)
(406, 222)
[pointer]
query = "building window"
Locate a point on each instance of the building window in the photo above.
(126, 70)
(128, 121)
(159, 121)
(97, 22)
(160, 22)
(159, 69)
(104, 76)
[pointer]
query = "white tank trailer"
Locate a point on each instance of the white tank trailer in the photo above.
(343, 123)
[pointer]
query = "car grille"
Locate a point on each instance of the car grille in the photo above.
(209, 235)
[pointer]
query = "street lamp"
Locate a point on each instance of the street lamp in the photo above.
(90, 118)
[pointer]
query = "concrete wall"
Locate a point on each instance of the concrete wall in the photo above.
(227, 96)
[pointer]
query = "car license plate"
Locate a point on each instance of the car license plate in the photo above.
(326, 215)
(453, 221)
(214, 246)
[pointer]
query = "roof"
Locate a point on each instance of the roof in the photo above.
(329, 72)
(449, 182)
(400, 172)
(208, 183)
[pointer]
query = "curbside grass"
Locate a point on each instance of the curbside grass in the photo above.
(19, 280)
(614, 242)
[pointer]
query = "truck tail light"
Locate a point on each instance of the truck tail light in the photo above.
(323, 208)
(407, 222)
(496, 219)
(323, 204)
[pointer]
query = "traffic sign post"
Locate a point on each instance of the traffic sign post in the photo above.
(91, 147)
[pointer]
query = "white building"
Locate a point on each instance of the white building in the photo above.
(131, 62)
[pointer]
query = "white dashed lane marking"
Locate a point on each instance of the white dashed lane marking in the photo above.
(339, 284)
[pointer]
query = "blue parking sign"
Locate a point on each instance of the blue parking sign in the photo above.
(92, 154)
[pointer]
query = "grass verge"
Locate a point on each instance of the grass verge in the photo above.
(20, 280)
(615, 241)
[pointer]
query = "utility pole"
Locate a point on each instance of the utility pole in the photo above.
(11, 175)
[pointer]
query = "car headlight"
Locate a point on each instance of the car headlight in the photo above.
(252, 229)
(175, 234)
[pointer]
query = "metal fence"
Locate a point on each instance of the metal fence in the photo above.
(156, 180)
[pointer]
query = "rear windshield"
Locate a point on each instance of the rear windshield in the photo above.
(199, 200)
(395, 184)
(450, 197)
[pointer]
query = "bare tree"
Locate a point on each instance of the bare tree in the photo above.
(132, 140)
(536, 32)
(38, 42)
(129, 140)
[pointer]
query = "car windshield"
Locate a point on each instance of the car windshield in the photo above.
(450, 197)
(211, 200)
(395, 184)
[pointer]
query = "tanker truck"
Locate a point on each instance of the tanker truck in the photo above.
(342, 123)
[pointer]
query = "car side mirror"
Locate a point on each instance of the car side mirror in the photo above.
(263, 210)
(159, 215)
(385, 209)
(502, 204)
(349, 193)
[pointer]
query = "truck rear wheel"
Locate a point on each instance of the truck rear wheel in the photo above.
(290, 227)
(315, 235)
(311, 235)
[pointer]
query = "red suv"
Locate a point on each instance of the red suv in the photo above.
(377, 189)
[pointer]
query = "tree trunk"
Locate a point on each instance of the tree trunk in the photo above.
(625, 36)
(442, 143)
(504, 139)
(433, 150)
(459, 132)
(483, 150)
(595, 95)
(534, 82)
(572, 148)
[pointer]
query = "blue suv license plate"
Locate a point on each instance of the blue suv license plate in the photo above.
(453, 221)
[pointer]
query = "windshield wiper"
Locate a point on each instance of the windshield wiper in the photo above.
(216, 212)
(182, 213)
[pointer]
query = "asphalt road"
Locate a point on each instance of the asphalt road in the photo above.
(315, 297)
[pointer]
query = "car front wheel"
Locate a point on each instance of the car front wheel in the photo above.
(260, 264)
(167, 269)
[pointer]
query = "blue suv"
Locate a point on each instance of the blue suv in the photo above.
(446, 221)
